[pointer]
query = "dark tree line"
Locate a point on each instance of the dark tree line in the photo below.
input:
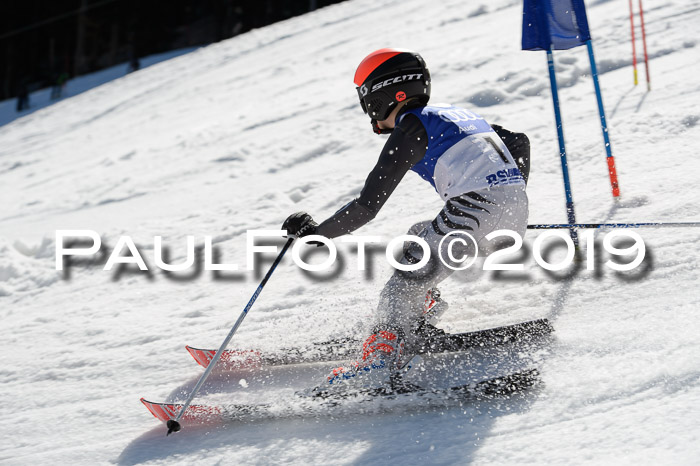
(42, 40)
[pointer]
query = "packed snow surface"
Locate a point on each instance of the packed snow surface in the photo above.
(238, 135)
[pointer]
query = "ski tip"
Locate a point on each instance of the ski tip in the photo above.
(166, 412)
(149, 406)
(199, 355)
(161, 411)
(229, 360)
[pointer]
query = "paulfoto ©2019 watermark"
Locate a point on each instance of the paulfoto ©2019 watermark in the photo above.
(457, 250)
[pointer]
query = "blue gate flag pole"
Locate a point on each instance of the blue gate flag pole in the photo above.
(570, 214)
(556, 25)
(563, 24)
(604, 126)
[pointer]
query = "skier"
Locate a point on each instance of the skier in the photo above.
(478, 170)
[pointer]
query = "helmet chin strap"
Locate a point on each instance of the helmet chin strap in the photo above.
(378, 130)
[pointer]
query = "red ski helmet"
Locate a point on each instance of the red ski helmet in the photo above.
(387, 77)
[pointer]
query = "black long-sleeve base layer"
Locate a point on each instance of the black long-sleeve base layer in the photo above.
(405, 147)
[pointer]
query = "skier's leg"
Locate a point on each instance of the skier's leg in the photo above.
(383, 351)
(401, 302)
(476, 213)
(513, 216)
(418, 227)
(434, 305)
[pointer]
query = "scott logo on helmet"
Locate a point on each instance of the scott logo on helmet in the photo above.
(398, 79)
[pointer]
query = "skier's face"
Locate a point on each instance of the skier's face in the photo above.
(390, 122)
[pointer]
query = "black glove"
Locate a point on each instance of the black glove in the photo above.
(300, 224)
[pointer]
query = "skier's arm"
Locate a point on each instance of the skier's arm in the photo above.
(519, 147)
(405, 147)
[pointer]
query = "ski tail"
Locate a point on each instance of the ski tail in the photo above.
(230, 359)
(195, 413)
(532, 330)
(503, 386)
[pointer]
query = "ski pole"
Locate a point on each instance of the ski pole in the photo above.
(174, 424)
(614, 225)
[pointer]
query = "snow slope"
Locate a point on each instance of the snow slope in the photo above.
(237, 135)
